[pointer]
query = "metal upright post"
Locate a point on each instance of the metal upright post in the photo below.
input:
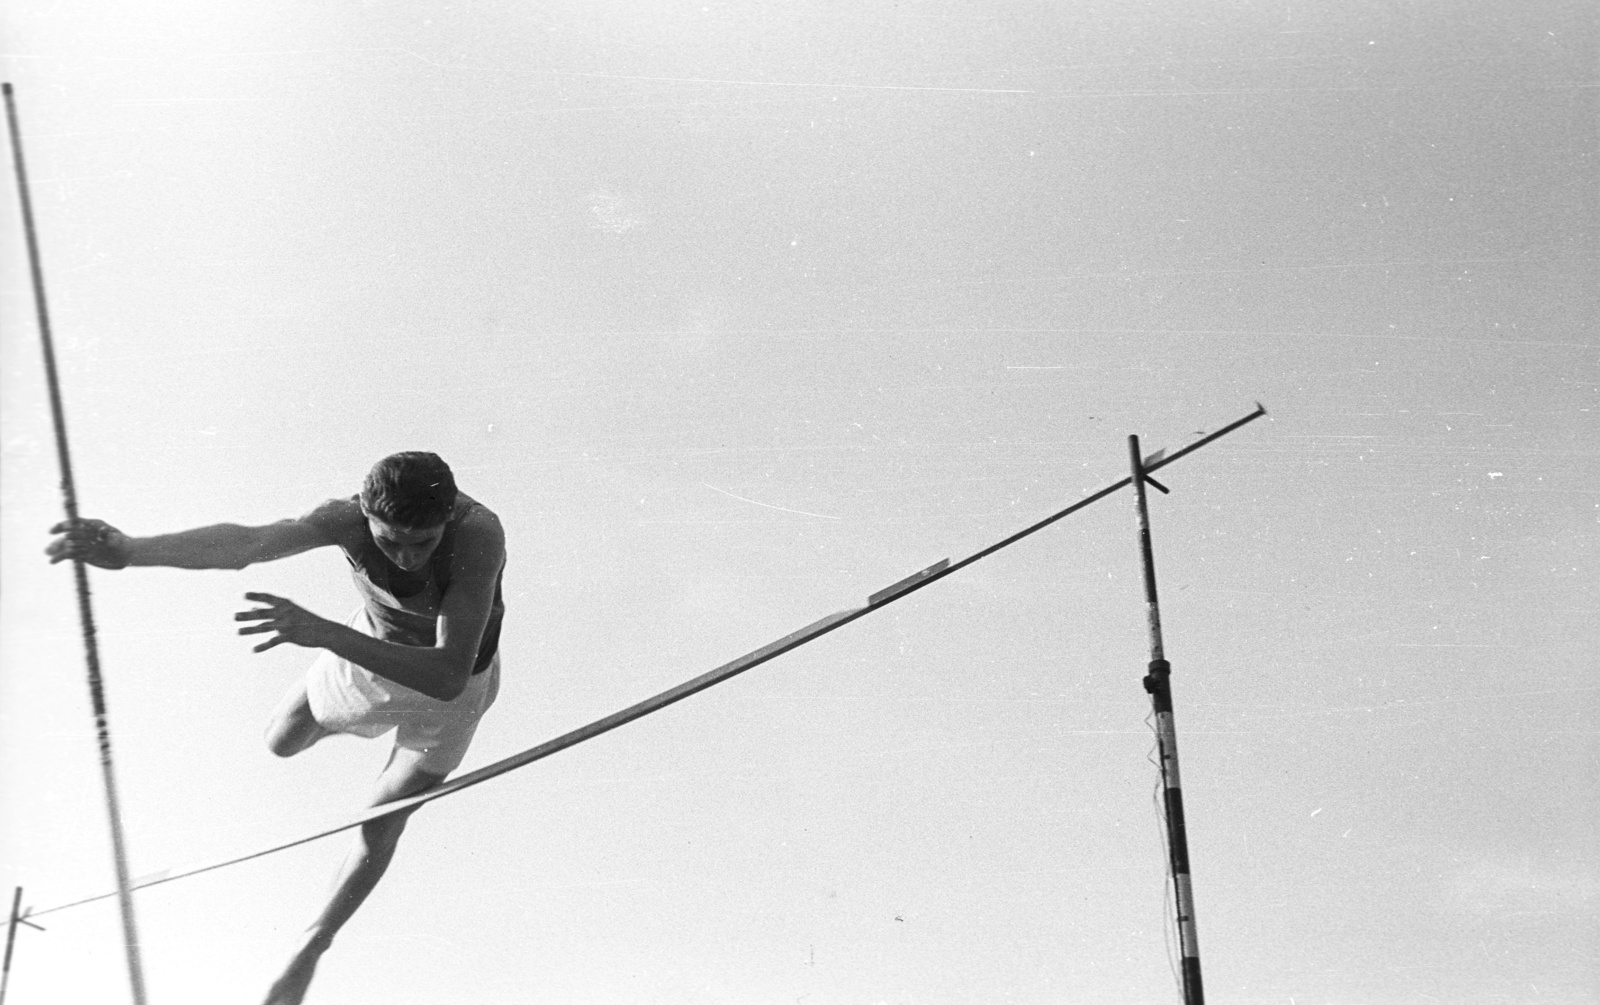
(1157, 682)
(11, 941)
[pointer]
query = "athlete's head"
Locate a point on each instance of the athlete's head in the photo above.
(412, 489)
(407, 499)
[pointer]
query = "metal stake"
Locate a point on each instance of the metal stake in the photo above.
(11, 939)
(1158, 684)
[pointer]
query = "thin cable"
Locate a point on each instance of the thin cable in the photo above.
(80, 571)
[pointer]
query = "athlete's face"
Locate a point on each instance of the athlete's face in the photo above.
(408, 547)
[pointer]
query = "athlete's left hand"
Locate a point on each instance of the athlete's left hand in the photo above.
(292, 623)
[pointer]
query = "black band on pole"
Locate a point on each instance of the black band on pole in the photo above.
(80, 571)
(1159, 685)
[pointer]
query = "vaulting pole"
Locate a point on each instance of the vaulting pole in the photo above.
(85, 612)
(1158, 684)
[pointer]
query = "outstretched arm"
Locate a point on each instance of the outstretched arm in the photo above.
(220, 546)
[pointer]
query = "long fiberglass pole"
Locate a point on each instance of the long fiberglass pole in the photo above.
(1158, 683)
(85, 612)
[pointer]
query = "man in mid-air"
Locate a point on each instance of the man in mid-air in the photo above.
(420, 656)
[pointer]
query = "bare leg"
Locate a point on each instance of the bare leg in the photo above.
(292, 727)
(363, 867)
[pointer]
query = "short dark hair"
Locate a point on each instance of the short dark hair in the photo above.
(411, 489)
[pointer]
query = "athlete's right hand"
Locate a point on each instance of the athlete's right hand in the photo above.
(94, 541)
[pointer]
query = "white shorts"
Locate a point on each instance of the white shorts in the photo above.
(346, 698)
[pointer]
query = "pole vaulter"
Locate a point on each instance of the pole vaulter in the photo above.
(772, 650)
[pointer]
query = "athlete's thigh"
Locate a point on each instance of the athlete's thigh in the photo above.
(404, 775)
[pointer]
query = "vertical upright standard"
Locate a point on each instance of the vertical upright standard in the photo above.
(85, 612)
(1158, 683)
(11, 941)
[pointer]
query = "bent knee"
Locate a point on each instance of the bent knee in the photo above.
(282, 747)
(288, 739)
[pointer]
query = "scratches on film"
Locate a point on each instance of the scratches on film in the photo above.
(728, 82)
(781, 509)
(791, 83)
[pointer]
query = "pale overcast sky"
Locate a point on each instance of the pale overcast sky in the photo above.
(739, 312)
